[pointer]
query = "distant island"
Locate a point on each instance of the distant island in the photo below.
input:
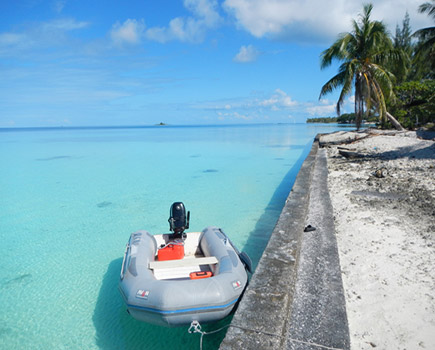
(346, 118)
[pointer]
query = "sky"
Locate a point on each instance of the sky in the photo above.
(142, 62)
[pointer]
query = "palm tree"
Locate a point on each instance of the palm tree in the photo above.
(365, 52)
(425, 52)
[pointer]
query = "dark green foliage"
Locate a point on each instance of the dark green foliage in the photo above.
(424, 55)
(415, 103)
(345, 118)
(322, 120)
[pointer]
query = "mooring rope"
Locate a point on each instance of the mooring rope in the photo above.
(195, 327)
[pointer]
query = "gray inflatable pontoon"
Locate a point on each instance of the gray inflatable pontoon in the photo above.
(164, 293)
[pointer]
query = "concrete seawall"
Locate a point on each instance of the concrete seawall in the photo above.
(295, 298)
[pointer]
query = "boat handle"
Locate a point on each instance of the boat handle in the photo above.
(127, 247)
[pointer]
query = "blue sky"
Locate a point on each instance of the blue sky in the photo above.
(141, 62)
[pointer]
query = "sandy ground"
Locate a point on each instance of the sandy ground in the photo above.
(384, 211)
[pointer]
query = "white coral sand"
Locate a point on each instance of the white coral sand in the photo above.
(385, 229)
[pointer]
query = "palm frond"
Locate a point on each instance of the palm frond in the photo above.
(383, 78)
(332, 84)
(366, 89)
(379, 99)
(338, 51)
(348, 71)
(429, 8)
(425, 33)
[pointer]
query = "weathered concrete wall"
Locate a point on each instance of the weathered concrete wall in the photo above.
(295, 298)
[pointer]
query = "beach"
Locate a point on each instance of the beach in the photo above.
(382, 191)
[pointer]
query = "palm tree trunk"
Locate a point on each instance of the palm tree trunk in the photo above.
(395, 123)
(359, 102)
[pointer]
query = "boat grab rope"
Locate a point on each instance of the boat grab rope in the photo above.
(195, 327)
(123, 260)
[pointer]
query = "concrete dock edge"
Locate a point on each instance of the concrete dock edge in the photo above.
(295, 298)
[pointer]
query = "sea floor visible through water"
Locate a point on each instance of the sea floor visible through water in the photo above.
(70, 197)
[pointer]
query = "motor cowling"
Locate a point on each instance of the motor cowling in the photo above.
(178, 220)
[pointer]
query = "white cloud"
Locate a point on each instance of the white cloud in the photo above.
(59, 5)
(277, 104)
(7, 39)
(242, 116)
(327, 108)
(316, 20)
(205, 10)
(39, 35)
(65, 24)
(278, 100)
(287, 18)
(246, 54)
(322, 109)
(234, 116)
(130, 32)
(188, 29)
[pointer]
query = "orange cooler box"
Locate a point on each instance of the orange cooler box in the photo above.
(200, 274)
(171, 252)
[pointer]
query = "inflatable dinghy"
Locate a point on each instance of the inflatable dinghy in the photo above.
(177, 278)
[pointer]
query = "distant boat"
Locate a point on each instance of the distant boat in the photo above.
(177, 278)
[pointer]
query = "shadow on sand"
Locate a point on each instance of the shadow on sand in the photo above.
(409, 152)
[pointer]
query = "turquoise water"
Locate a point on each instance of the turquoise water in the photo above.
(69, 199)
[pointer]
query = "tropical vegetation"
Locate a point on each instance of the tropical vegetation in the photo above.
(387, 75)
(344, 118)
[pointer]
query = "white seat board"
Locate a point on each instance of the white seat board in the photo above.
(186, 262)
(179, 272)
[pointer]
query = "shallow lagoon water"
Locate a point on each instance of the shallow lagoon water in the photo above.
(69, 199)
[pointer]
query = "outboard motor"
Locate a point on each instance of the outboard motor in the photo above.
(178, 220)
